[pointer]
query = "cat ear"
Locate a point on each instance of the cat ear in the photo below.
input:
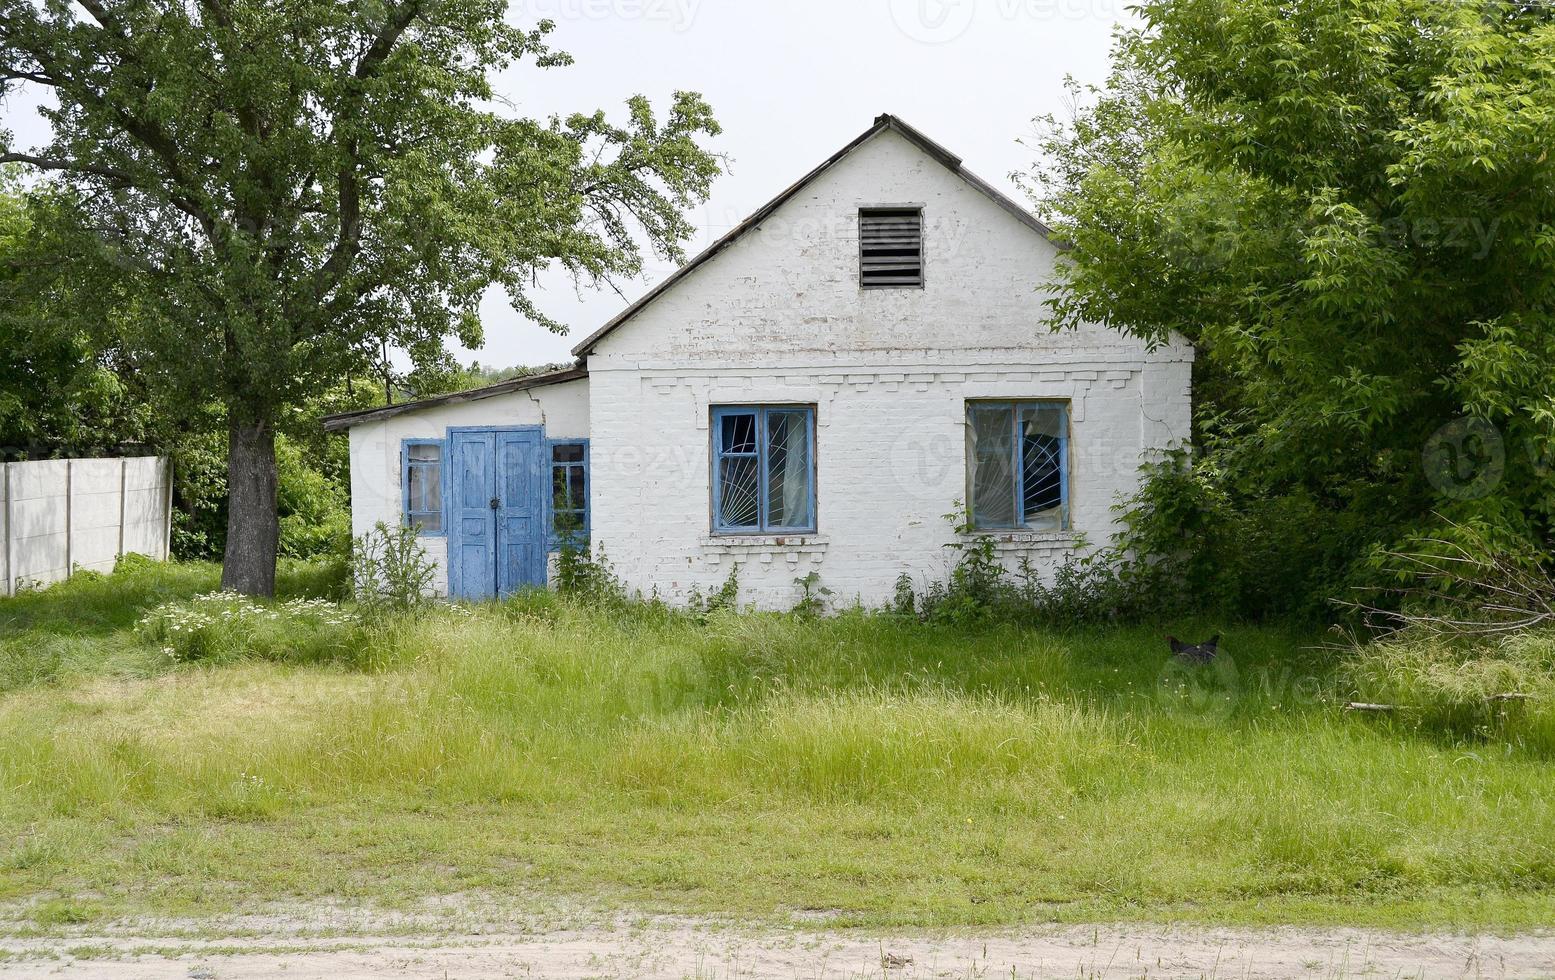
(1176, 644)
(1214, 641)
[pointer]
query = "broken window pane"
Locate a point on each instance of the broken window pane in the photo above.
(739, 433)
(569, 488)
(1042, 448)
(991, 455)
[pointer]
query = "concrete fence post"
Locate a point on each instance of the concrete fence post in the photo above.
(10, 524)
(167, 511)
(70, 519)
(124, 468)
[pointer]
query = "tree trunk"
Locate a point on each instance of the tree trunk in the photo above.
(253, 527)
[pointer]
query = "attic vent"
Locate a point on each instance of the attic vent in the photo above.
(890, 247)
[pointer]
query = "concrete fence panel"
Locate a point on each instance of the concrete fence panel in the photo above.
(59, 515)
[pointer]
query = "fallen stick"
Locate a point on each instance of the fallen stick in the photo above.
(1490, 699)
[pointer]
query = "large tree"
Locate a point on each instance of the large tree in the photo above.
(280, 188)
(1349, 206)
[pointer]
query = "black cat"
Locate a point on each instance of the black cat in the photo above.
(1201, 654)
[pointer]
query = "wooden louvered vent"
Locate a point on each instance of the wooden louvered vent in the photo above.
(890, 247)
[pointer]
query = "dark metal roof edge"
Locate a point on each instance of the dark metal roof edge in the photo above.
(883, 122)
(346, 420)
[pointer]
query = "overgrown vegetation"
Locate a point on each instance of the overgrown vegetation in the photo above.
(624, 753)
(1343, 207)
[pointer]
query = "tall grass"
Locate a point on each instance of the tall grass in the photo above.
(83, 627)
(756, 764)
(1488, 689)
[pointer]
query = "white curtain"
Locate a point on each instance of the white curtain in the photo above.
(788, 464)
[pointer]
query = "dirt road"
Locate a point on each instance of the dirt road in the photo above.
(681, 949)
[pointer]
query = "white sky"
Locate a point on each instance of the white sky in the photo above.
(791, 81)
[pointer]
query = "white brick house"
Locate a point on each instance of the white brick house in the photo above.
(813, 393)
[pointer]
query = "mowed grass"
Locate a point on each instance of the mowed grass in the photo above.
(863, 770)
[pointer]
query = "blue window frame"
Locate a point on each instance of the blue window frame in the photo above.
(421, 483)
(763, 473)
(1018, 465)
(569, 489)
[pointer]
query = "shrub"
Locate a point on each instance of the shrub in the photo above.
(225, 626)
(980, 591)
(585, 576)
(390, 570)
(812, 595)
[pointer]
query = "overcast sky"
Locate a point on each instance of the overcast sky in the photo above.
(791, 81)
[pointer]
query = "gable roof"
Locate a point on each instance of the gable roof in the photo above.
(345, 420)
(882, 123)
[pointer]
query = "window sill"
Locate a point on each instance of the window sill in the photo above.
(765, 541)
(1037, 539)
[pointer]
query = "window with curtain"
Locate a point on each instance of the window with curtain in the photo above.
(422, 481)
(1018, 465)
(569, 489)
(763, 469)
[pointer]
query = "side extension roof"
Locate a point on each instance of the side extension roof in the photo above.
(345, 420)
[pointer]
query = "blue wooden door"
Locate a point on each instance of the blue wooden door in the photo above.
(521, 550)
(497, 541)
(472, 570)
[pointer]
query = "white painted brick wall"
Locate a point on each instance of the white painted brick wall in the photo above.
(780, 318)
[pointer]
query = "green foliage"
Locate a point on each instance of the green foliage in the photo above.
(812, 595)
(1343, 207)
(726, 598)
(314, 509)
(85, 626)
(981, 592)
(586, 575)
(391, 570)
(267, 199)
(59, 394)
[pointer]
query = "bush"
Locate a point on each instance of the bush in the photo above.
(585, 576)
(391, 570)
(225, 626)
(980, 591)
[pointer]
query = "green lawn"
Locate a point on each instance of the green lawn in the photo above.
(753, 766)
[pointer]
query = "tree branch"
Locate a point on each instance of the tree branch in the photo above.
(69, 166)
